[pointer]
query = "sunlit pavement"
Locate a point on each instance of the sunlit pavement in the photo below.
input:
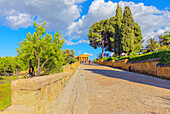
(97, 89)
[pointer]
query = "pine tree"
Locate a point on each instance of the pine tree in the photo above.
(101, 34)
(127, 32)
(117, 39)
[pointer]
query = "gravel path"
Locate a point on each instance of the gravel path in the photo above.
(97, 89)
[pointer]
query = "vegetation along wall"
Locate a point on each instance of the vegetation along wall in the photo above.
(35, 95)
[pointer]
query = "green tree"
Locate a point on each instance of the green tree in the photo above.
(70, 55)
(152, 45)
(127, 32)
(117, 38)
(138, 40)
(44, 50)
(6, 64)
(101, 35)
(17, 64)
(164, 39)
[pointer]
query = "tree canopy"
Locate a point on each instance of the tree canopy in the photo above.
(152, 45)
(70, 55)
(118, 34)
(101, 35)
(42, 49)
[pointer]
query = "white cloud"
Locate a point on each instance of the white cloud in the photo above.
(61, 14)
(88, 54)
(57, 13)
(21, 20)
(79, 42)
(152, 20)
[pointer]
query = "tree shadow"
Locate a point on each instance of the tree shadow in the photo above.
(132, 77)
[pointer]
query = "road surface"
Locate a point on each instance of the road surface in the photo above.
(97, 89)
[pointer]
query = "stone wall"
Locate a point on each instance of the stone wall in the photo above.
(120, 64)
(144, 67)
(163, 72)
(148, 67)
(35, 95)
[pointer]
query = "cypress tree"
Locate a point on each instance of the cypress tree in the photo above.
(138, 38)
(127, 32)
(117, 40)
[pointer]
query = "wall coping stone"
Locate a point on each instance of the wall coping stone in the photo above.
(37, 82)
(120, 60)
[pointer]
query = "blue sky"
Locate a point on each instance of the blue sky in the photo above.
(73, 18)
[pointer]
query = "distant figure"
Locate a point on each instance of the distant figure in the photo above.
(89, 62)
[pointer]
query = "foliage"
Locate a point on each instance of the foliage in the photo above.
(164, 39)
(70, 55)
(152, 45)
(144, 51)
(138, 38)
(44, 50)
(163, 55)
(6, 65)
(127, 31)
(101, 35)
(164, 47)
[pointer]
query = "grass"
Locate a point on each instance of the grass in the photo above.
(5, 91)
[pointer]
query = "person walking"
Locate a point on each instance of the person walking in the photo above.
(89, 62)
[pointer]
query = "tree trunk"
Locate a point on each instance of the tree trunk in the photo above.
(38, 67)
(126, 54)
(102, 48)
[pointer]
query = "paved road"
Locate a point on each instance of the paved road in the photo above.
(97, 89)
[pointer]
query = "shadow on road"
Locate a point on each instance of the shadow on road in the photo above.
(132, 77)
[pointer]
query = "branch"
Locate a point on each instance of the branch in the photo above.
(45, 62)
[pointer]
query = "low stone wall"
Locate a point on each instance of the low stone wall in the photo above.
(120, 64)
(109, 63)
(147, 66)
(35, 95)
(163, 72)
(144, 67)
(100, 62)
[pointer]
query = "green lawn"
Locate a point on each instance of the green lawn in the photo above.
(5, 91)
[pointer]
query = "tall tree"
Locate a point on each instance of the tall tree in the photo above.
(101, 34)
(138, 40)
(127, 32)
(42, 49)
(117, 39)
(152, 45)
